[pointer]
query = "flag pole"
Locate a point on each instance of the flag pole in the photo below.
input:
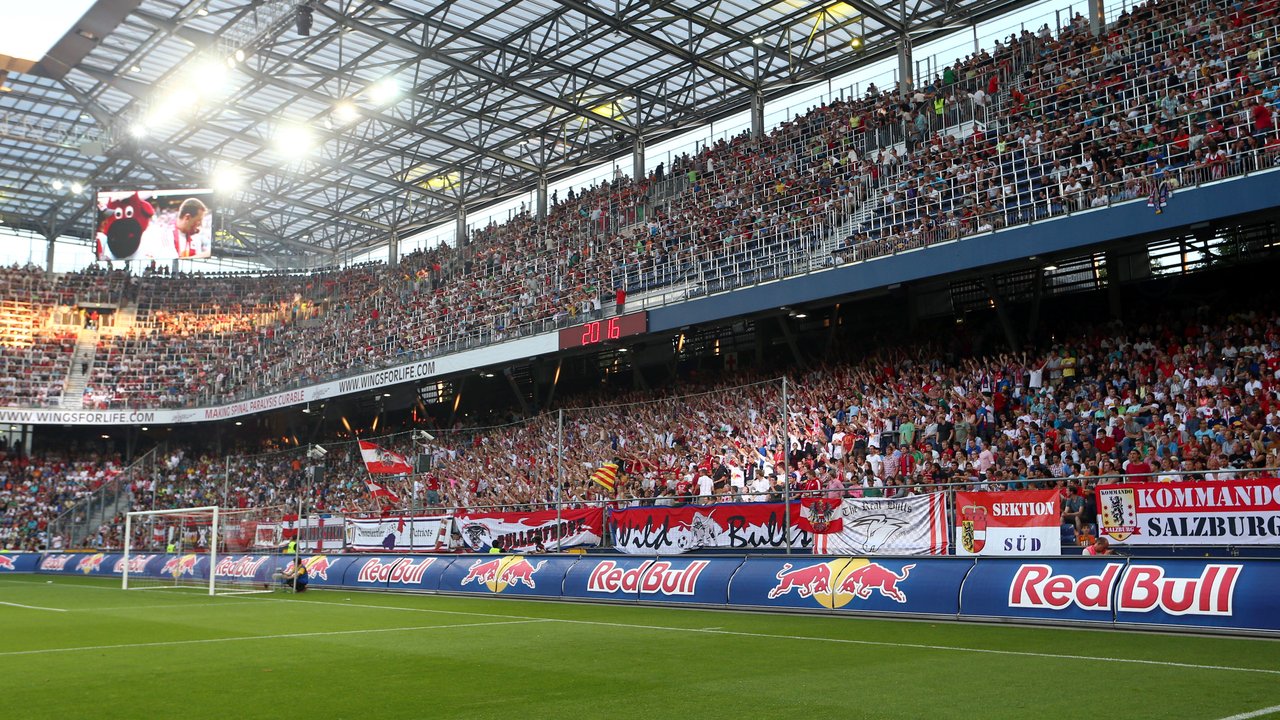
(786, 466)
(559, 472)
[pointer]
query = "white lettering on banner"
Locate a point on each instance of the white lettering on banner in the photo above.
(78, 417)
(245, 567)
(137, 564)
(1142, 588)
(56, 562)
(1024, 509)
(400, 572)
(651, 577)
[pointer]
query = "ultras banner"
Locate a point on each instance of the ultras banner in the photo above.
(520, 532)
(915, 525)
(1019, 522)
(399, 533)
(1231, 512)
(736, 526)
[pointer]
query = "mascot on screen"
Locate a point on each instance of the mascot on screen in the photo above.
(120, 226)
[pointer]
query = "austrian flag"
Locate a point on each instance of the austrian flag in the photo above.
(379, 461)
(378, 490)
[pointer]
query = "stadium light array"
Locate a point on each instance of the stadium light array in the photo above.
(384, 91)
(855, 42)
(346, 112)
(293, 140)
(77, 188)
(226, 179)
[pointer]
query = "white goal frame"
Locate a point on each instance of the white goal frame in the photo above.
(213, 540)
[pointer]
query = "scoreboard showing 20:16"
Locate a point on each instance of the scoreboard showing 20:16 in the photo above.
(599, 331)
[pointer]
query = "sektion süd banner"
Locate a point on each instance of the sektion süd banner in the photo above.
(915, 525)
(1021, 522)
(399, 533)
(735, 526)
(521, 532)
(1230, 512)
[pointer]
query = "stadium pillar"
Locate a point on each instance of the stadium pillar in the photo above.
(904, 65)
(542, 196)
(393, 249)
(997, 302)
(1096, 18)
(48, 253)
(757, 113)
(461, 231)
(637, 159)
(1113, 286)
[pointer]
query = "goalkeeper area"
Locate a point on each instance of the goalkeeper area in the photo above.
(80, 646)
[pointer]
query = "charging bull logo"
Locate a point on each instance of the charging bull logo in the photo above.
(317, 566)
(836, 583)
(181, 565)
(90, 564)
(502, 572)
(122, 224)
(7, 563)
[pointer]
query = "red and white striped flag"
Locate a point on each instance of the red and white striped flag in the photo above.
(379, 490)
(380, 461)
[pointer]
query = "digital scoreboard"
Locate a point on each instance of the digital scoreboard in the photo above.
(598, 331)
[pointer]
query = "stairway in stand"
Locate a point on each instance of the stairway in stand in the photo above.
(81, 361)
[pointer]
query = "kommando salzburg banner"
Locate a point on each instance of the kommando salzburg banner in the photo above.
(1020, 522)
(915, 525)
(520, 532)
(736, 526)
(399, 533)
(1230, 512)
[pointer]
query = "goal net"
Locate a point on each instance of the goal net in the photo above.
(213, 549)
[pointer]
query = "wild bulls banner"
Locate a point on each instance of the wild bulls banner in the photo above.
(915, 525)
(737, 526)
(399, 533)
(1024, 522)
(521, 532)
(1231, 512)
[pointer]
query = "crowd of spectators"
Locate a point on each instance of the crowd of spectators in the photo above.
(1040, 124)
(36, 491)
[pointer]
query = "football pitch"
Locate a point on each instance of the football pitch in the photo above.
(81, 647)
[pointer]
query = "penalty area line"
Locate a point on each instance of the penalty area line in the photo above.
(1255, 714)
(242, 638)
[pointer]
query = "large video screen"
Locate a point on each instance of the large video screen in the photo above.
(155, 224)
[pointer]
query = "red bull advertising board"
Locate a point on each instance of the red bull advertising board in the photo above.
(536, 575)
(703, 581)
(395, 572)
(915, 586)
(18, 562)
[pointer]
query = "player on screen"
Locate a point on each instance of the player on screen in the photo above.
(186, 231)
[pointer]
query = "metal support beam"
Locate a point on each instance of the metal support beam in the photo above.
(784, 323)
(1010, 334)
(393, 248)
(515, 390)
(637, 159)
(757, 114)
(460, 233)
(48, 253)
(905, 80)
(542, 196)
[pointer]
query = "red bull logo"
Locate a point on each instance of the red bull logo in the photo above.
(1142, 588)
(650, 578)
(502, 572)
(244, 567)
(317, 566)
(56, 562)
(137, 564)
(836, 583)
(6, 563)
(403, 571)
(91, 563)
(180, 565)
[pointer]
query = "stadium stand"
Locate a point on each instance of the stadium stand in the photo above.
(1039, 126)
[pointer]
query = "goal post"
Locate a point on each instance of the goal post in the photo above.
(210, 548)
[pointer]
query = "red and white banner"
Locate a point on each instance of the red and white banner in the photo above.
(737, 526)
(1018, 522)
(399, 533)
(520, 532)
(1230, 512)
(915, 525)
(380, 461)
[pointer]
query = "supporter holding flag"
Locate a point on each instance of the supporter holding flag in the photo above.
(607, 476)
(378, 490)
(379, 461)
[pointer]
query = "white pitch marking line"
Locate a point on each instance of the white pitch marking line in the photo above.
(45, 651)
(1255, 713)
(32, 607)
(843, 641)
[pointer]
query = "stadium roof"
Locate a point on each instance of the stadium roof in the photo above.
(387, 112)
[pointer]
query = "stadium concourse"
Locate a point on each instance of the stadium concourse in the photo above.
(1172, 94)
(1169, 398)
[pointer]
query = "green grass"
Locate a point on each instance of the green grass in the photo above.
(343, 654)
